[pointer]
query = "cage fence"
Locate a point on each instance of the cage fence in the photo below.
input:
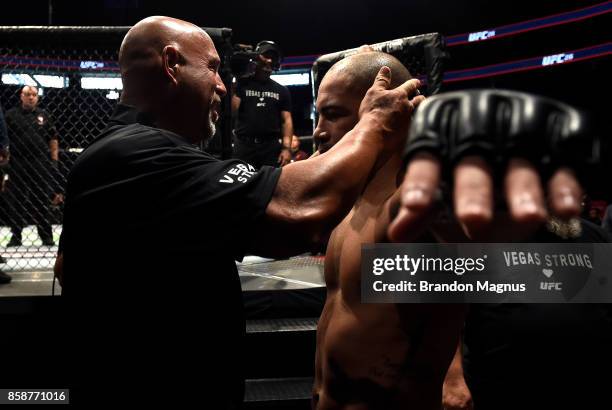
(59, 86)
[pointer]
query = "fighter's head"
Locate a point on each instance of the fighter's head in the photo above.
(29, 97)
(169, 68)
(342, 90)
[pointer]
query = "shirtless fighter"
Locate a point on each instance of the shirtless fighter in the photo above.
(372, 356)
(394, 356)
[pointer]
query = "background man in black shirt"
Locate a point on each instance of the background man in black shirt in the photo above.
(33, 170)
(264, 113)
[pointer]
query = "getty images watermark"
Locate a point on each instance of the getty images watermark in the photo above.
(487, 273)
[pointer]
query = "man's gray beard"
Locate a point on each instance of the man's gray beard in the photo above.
(212, 128)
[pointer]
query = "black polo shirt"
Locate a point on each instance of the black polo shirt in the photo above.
(29, 133)
(152, 229)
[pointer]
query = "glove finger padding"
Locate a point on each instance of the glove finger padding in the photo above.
(499, 125)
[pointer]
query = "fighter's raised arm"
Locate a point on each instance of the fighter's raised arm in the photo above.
(496, 183)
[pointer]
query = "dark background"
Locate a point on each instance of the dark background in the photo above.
(304, 27)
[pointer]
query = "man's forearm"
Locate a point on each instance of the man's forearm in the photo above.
(455, 392)
(313, 196)
(54, 149)
(456, 367)
(287, 134)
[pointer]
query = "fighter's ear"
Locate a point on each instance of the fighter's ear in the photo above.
(171, 60)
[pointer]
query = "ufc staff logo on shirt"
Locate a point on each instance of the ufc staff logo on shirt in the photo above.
(239, 172)
(262, 94)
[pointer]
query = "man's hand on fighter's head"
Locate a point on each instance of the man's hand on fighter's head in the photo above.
(390, 108)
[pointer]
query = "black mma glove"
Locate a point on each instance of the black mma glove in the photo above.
(500, 124)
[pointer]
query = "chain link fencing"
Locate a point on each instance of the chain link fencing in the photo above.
(59, 86)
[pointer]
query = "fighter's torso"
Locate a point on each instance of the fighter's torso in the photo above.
(373, 356)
